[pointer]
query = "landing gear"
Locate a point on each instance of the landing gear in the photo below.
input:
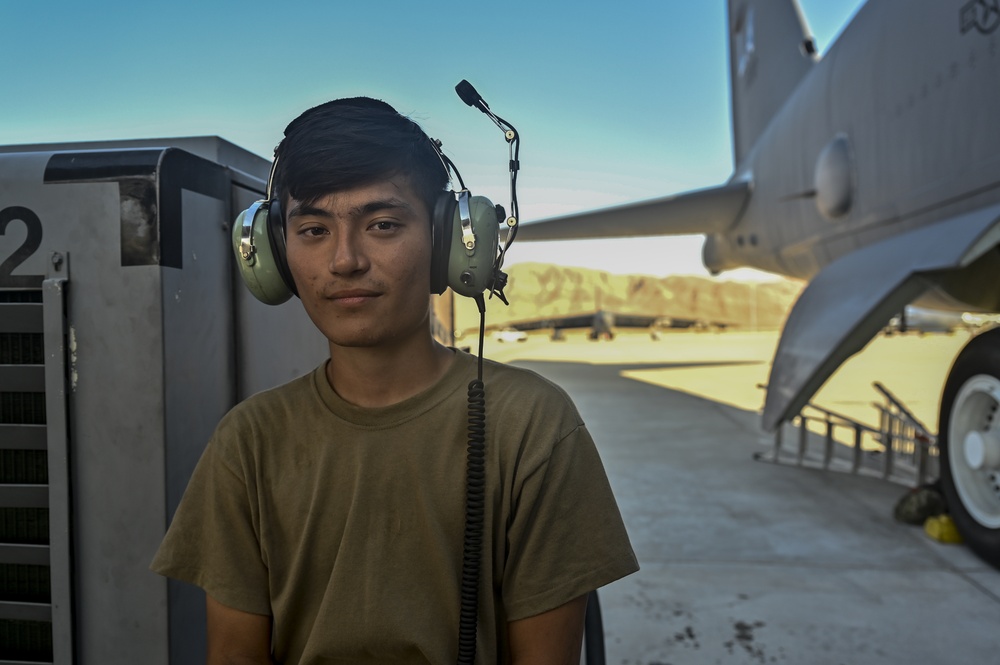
(969, 439)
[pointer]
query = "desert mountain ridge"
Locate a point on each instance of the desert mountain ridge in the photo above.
(541, 290)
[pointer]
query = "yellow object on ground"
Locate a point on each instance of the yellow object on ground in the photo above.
(942, 529)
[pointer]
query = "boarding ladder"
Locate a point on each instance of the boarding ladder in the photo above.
(901, 449)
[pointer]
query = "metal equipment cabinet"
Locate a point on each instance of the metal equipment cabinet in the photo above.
(124, 337)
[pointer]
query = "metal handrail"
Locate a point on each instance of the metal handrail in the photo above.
(894, 401)
(845, 420)
(897, 428)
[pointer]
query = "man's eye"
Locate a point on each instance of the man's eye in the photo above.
(384, 225)
(312, 231)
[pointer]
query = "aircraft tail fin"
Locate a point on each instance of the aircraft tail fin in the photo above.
(770, 50)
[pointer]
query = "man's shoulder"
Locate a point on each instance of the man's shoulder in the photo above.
(523, 382)
(521, 397)
(273, 404)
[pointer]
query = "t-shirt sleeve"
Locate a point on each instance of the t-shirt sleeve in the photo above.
(566, 536)
(213, 540)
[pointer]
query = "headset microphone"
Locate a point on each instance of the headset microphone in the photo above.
(472, 98)
(469, 94)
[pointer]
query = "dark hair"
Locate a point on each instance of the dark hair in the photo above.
(354, 142)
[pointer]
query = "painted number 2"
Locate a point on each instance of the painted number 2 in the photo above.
(27, 248)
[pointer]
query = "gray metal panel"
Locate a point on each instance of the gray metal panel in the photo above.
(22, 437)
(197, 340)
(151, 366)
(212, 148)
(852, 298)
(22, 378)
(58, 492)
(115, 393)
(24, 554)
(24, 496)
(20, 317)
(26, 612)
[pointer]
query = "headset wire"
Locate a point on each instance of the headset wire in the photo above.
(475, 486)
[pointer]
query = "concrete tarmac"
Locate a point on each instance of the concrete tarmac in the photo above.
(745, 561)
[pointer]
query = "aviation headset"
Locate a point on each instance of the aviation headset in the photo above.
(465, 230)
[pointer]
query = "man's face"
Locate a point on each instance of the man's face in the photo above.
(360, 259)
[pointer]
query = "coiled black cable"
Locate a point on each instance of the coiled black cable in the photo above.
(474, 508)
(475, 490)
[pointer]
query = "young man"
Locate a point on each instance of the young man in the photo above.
(325, 519)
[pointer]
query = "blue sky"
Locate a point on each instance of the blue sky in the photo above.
(614, 102)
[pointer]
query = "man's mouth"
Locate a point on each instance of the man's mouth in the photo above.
(353, 296)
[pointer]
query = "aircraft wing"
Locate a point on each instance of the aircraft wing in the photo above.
(850, 300)
(710, 210)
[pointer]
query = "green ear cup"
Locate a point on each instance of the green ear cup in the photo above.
(470, 271)
(255, 256)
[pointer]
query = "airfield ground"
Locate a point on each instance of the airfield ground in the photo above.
(749, 562)
(727, 367)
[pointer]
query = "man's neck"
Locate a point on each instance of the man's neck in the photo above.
(373, 377)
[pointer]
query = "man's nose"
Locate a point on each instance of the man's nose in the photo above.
(349, 254)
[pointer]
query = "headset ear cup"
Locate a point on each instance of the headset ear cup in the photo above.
(441, 240)
(276, 234)
(258, 267)
(470, 272)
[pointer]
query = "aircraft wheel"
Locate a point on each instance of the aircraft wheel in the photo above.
(969, 441)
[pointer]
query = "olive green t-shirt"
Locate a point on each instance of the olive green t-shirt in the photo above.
(345, 524)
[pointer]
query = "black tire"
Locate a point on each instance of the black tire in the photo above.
(973, 495)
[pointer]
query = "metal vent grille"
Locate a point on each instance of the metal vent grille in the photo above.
(24, 467)
(21, 349)
(22, 408)
(25, 526)
(27, 570)
(21, 296)
(25, 583)
(25, 640)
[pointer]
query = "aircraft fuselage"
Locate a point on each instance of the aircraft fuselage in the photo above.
(895, 128)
